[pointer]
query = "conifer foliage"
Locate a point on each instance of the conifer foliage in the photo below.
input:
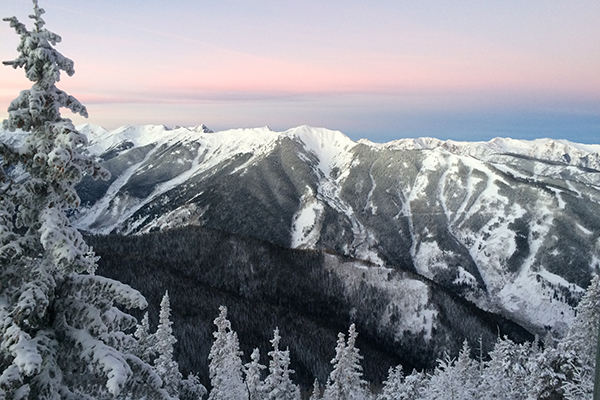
(398, 387)
(253, 380)
(578, 350)
(225, 369)
(146, 342)
(166, 367)
(61, 334)
(278, 384)
(316, 391)
(345, 381)
(454, 379)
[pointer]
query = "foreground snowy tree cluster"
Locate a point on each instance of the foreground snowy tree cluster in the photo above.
(64, 331)
(511, 371)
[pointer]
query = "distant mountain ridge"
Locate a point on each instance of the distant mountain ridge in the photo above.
(512, 226)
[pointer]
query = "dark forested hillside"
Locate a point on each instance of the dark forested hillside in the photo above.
(309, 295)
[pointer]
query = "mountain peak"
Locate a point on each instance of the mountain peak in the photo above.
(201, 128)
(331, 147)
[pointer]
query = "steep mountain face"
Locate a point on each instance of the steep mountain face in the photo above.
(512, 226)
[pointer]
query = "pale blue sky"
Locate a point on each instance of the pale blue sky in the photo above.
(466, 70)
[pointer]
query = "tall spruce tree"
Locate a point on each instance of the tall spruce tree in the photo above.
(278, 384)
(225, 368)
(345, 381)
(166, 367)
(61, 334)
(253, 372)
(578, 349)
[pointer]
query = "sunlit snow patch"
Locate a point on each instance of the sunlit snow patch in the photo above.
(408, 308)
(307, 221)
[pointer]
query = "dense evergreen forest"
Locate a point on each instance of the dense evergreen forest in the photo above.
(265, 286)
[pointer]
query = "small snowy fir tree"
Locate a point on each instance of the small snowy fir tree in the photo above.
(253, 372)
(413, 385)
(454, 379)
(61, 334)
(316, 392)
(146, 342)
(191, 388)
(578, 349)
(506, 375)
(397, 387)
(393, 386)
(225, 368)
(278, 385)
(545, 368)
(467, 371)
(165, 366)
(443, 383)
(345, 381)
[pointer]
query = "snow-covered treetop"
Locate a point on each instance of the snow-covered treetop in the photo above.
(52, 153)
(41, 61)
(42, 64)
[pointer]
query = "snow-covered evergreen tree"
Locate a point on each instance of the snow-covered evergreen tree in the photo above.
(507, 373)
(398, 387)
(413, 385)
(345, 381)
(316, 391)
(166, 367)
(253, 372)
(61, 334)
(393, 386)
(546, 377)
(146, 342)
(543, 369)
(467, 371)
(454, 379)
(191, 388)
(578, 349)
(444, 382)
(225, 368)
(278, 385)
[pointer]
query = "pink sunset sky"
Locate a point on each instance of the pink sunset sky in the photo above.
(466, 70)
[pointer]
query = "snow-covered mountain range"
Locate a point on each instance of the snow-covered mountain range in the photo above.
(512, 226)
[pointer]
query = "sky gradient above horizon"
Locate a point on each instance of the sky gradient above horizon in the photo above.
(457, 69)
